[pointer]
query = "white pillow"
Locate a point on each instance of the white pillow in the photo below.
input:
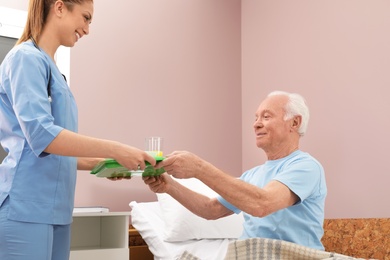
(146, 218)
(181, 224)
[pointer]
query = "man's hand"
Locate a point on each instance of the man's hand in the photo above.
(159, 184)
(183, 165)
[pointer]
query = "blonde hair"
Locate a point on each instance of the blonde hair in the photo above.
(38, 11)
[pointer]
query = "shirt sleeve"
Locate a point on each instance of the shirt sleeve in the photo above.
(301, 176)
(27, 90)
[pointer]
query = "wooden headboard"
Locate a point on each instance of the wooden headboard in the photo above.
(363, 238)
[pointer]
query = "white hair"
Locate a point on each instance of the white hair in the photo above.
(296, 106)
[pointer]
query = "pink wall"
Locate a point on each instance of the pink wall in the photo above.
(188, 71)
(158, 68)
(164, 68)
(335, 53)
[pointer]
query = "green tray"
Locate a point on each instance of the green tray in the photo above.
(110, 168)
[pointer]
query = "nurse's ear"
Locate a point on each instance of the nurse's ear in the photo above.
(59, 8)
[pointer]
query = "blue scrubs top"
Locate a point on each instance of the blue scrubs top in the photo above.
(40, 186)
(301, 223)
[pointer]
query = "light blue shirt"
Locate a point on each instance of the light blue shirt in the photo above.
(301, 223)
(40, 186)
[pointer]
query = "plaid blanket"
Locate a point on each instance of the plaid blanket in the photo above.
(271, 249)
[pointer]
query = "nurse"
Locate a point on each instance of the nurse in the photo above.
(38, 130)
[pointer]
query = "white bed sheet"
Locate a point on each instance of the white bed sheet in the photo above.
(146, 217)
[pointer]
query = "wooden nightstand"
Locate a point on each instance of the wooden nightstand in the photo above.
(138, 249)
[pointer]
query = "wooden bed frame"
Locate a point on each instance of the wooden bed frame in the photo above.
(363, 238)
(137, 246)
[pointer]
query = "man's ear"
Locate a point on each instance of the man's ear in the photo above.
(296, 122)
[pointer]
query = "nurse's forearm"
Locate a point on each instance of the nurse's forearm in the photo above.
(87, 164)
(68, 143)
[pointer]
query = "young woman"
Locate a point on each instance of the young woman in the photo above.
(38, 130)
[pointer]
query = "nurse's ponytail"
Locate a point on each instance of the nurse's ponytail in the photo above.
(36, 19)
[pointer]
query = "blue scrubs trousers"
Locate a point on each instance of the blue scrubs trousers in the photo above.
(32, 241)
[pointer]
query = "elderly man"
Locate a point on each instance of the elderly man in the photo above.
(281, 199)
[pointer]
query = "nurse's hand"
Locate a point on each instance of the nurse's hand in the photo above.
(132, 158)
(119, 178)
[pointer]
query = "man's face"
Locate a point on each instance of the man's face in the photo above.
(272, 131)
